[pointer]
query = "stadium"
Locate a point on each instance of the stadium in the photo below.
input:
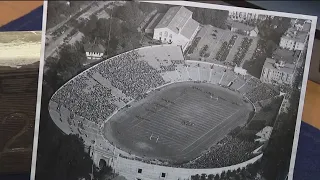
(151, 114)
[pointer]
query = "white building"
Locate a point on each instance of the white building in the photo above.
(279, 69)
(264, 134)
(277, 72)
(93, 51)
(240, 70)
(176, 27)
(294, 39)
(246, 16)
(242, 16)
(244, 29)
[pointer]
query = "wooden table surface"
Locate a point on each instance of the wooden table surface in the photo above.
(11, 10)
(18, 94)
(311, 110)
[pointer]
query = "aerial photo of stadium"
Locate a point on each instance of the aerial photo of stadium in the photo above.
(174, 111)
(191, 99)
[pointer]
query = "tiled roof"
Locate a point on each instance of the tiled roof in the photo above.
(189, 28)
(175, 18)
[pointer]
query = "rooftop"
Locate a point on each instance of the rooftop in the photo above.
(306, 27)
(295, 35)
(288, 68)
(175, 18)
(154, 22)
(284, 55)
(242, 26)
(300, 21)
(93, 48)
(189, 28)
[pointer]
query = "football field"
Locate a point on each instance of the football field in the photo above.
(178, 122)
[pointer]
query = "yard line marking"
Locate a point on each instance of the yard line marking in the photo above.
(243, 84)
(213, 134)
(210, 75)
(210, 130)
(221, 77)
(148, 115)
(188, 73)
(199, 73)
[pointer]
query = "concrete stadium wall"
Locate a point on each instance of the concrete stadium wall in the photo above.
(129, 169)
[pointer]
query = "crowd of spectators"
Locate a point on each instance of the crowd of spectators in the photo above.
(242, 50)
(133, 76)
(227, 152)
(130, 75)
(225, 49)
(89, 105)
(269, 111)
(262, 92)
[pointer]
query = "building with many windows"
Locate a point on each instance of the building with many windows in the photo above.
(275, 72)
(94, 52)
(246, 16)
(295, 37)
(280, 67)
(176, 26)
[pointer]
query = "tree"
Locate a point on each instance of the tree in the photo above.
(104, 173)
(210, 177)
(71, 58)
(223, 174)
(195, 177)
(217, 18)
(203, 177)
(217, 177)
(130, 13)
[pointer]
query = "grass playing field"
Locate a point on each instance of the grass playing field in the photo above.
(178, 122)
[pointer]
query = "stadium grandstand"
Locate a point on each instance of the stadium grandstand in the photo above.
(152, 106)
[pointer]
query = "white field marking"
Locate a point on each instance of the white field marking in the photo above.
(222, 77)
(210, 75)
(158, 111)
(244, 84)
(210, 130)
(234, 79)
(207, 138)
(154, 136)
(218, 115)
(188, 72)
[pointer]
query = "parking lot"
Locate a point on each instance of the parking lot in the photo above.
(208, 42)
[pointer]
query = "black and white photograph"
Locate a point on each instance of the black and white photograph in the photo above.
(170, 90)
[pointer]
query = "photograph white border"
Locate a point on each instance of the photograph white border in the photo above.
(199, 5)
(39, 93)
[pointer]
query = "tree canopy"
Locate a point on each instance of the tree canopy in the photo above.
(217, 18)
